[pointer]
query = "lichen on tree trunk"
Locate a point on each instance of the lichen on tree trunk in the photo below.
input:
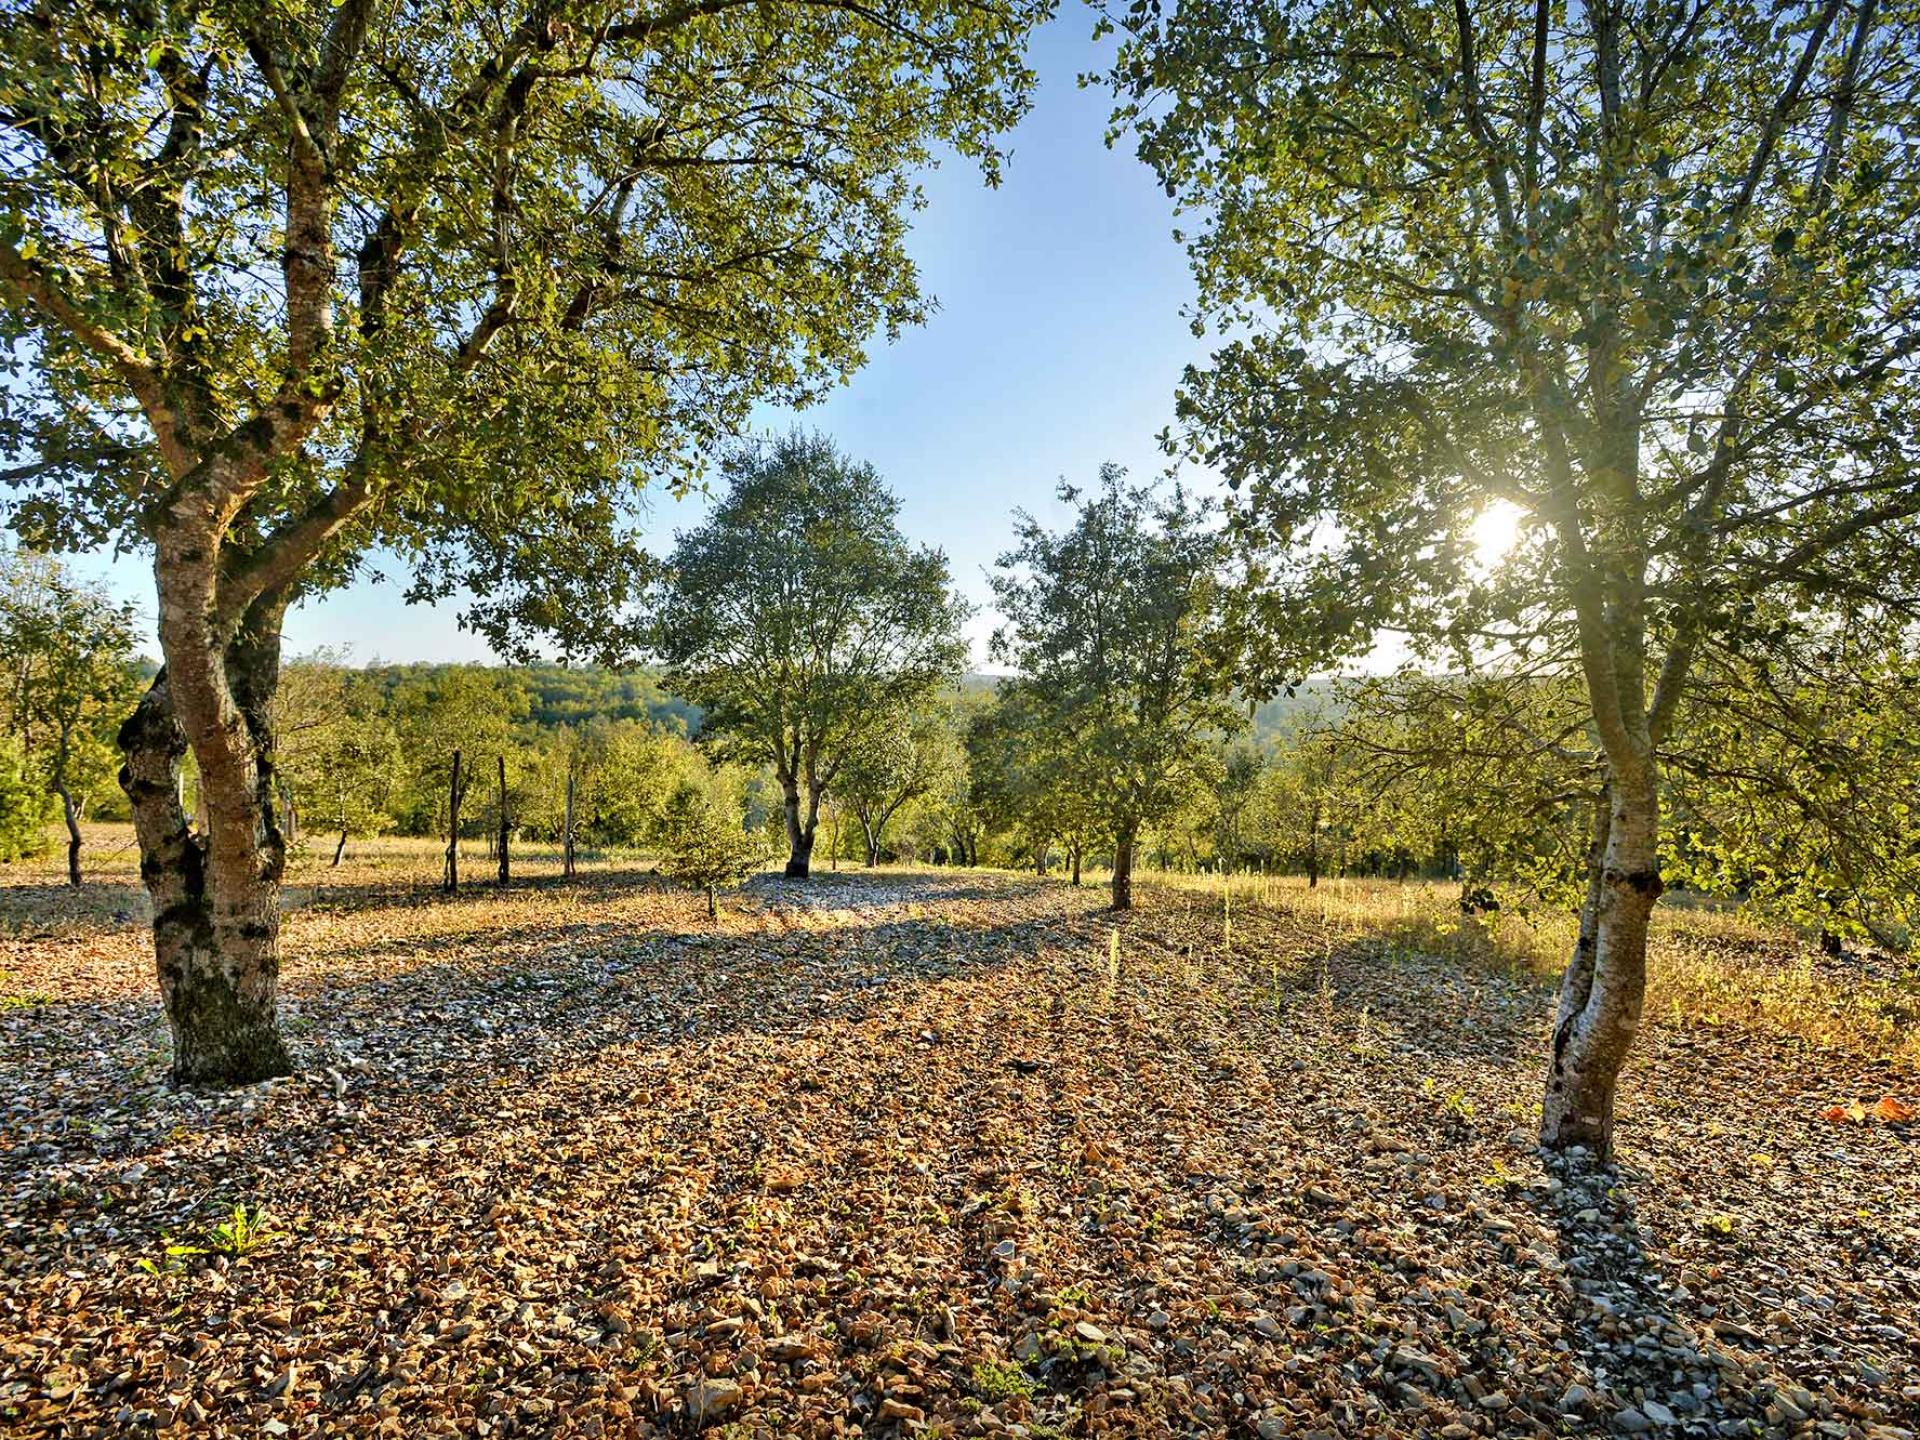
(215, 927)
(1604, 989)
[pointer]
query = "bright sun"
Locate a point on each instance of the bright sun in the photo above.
(1494, 530)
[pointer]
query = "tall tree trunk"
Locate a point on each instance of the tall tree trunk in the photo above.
(71, 813)
(452, 880)
(340, 849)
(1073, 855)
(1123, 841)
(506, 825)
(566, 839)
(1604, 988)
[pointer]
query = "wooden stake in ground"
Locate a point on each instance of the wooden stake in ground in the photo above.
(566, 838)
(452, 882)
(505, 872)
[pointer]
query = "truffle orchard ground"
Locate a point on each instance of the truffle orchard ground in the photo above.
(928, 1153)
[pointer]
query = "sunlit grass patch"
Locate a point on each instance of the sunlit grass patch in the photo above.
(1707, 964)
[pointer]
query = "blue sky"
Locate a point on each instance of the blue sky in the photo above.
(1057, 344)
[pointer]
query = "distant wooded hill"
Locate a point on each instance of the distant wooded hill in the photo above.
(566, 694)
(571, 695)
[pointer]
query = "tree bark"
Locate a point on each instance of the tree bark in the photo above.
(1073, 855)
(71, 813)
(800, 832)
(1604, 988)
(340, 849)
(215, 893)
(1122, 886)
(506, 825)
(452, 881)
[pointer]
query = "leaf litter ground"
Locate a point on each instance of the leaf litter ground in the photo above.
(916, 1154)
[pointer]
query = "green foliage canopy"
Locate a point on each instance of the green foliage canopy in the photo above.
(1113, 627)
(800, 620)
(449, 277)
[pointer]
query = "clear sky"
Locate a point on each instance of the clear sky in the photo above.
(1056, 345)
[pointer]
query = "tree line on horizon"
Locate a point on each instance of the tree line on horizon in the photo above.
(1073, 759)
(281, 284)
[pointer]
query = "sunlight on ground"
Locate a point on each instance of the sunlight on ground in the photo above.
(615, 1163)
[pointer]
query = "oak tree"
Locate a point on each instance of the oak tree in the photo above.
(279, 282)
(68, 661)
(1115, 627)
(798, 617)
(903, 759)
(1642, 271)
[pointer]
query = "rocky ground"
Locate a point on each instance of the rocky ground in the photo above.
(920, 1155)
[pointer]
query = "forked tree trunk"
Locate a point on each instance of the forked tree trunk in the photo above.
(800, 829)
(1122, 887)
(871, 837)
(1604, 988)
(215, 893)
(71, 813)
(452, 880)
(506, 826)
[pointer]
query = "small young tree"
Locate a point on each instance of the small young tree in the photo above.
(1236, 783)
(451, 721)
(1642, 275)
(68, 656)
(891, 767)
(358, 770)
(705, 844)
(1028, 778)
(25, 806)
(798, 615)
(1114, 626)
